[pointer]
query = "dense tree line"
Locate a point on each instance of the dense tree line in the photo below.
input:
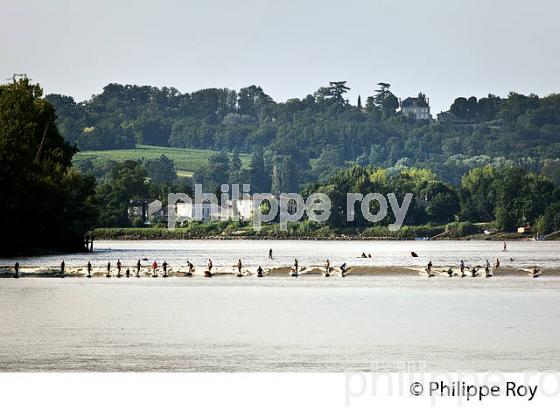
(509, 196)
(46, 204)
(314, 136)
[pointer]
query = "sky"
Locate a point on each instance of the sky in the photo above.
(443, 48)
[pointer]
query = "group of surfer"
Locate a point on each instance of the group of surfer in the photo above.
(295, 270)
(473, 270)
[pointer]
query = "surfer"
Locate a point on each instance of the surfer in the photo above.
(505, 247)
(191, 268)
(270, 253)
(450, 271)
(474, 271)
(328, 269)
(429, 269)
(536, 272)
(462, 268)
(89, 269)
(343, 269)
(259, 272)
(119, 267)
(363, 255)
(497, 264)
(487, 269)
(369, 255)
(138, 266)
(164, 265)
(108, 275)
(208, 273)
(62, 266)
(154, 269)
(239, 266)
(295, 271)
(16, 270)
(127, 273)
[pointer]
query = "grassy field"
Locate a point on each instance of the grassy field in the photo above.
(186, 160)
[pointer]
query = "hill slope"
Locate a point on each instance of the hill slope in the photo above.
(187, 161)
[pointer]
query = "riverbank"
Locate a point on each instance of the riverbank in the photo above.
(235, 231)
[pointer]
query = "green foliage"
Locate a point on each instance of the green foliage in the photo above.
(160, 170)
(461, 229)
(45, 203)
(514, 131)
(185, 161)
(128, 181)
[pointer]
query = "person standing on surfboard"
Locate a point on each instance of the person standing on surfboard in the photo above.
(239, 266)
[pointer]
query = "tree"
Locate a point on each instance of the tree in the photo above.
(252, 101)
(46, 204)
(443, 202)
(215, 173)
(327, 164)
(284, 177)
(259, 176)
(235, 168)
(334, 93)
(385, 100)
(160, 170)
(128, 181)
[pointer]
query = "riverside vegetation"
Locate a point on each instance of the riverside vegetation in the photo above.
(461, 172)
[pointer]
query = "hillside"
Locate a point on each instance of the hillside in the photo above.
(186, 160)
(309, 139)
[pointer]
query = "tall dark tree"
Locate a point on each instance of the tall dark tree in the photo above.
(259, 174)
(385, 100)
(160, 170)
(128, 181)
(45, 203)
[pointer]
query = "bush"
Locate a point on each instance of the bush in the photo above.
(460, 229)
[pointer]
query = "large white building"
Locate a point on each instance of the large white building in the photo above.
(209, 211)
(417, 108)
(242, 207)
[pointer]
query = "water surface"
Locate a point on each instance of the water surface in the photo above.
(509, 323)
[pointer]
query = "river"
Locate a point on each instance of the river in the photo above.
(225, 323)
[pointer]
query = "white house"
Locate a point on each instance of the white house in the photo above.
(417, 108)
(208, 211)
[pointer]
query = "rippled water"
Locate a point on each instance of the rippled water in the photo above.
(284, 324)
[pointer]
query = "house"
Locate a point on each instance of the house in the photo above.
(417, 108)
(524, 229)
(145, 210)
(208, 211)
(242, 207)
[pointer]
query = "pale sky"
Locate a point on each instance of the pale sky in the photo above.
(444, 48)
